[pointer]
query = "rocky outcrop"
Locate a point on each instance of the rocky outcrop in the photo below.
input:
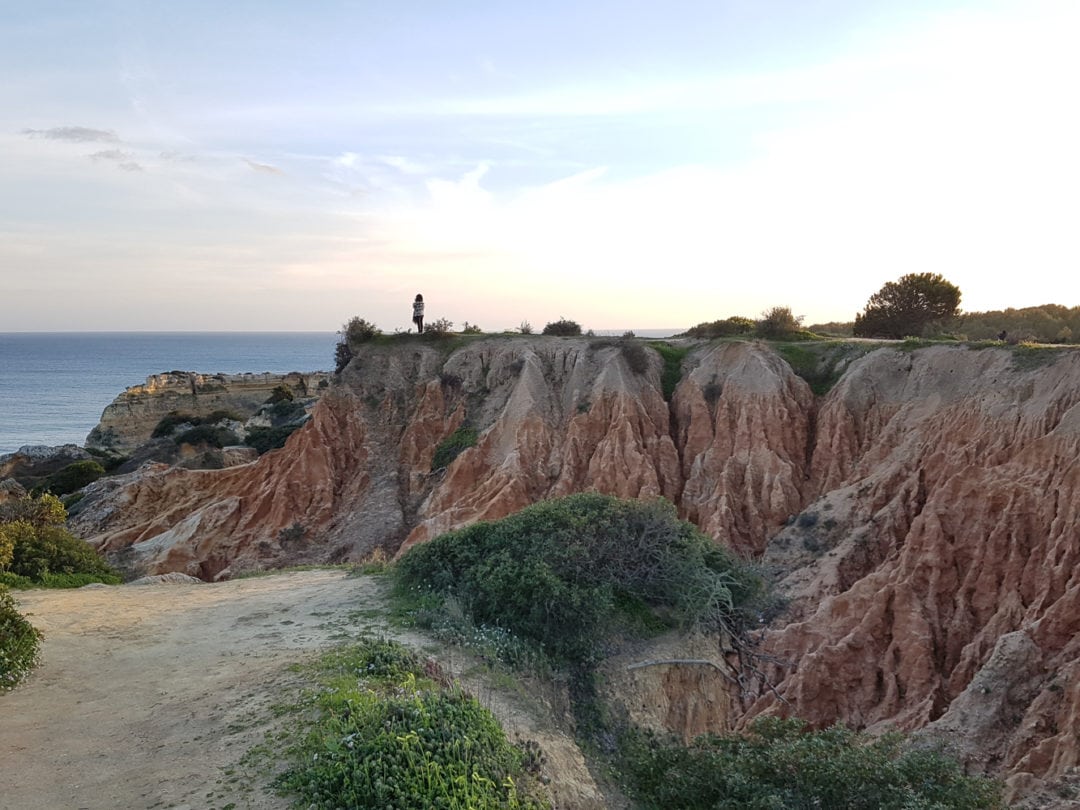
(31, 464)
(129, 420)
(922, 516)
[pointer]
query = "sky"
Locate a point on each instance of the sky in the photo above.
(285, 166)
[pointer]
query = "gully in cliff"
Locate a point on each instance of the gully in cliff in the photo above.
(418, 313)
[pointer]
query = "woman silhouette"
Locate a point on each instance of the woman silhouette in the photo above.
(418, 313)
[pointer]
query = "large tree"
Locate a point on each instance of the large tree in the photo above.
(906, 306)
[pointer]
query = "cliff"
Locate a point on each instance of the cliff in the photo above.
(922, 516)
(128, 420)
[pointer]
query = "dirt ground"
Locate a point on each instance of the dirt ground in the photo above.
(149, 696)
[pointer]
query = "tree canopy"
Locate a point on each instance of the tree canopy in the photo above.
(907, 306)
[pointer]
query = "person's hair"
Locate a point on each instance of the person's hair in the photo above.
(419, 297)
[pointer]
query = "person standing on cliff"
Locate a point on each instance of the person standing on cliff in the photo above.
(418, 313)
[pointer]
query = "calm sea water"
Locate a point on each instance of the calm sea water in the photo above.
(54, 386)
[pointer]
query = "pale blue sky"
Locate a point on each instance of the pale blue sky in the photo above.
(261, 165)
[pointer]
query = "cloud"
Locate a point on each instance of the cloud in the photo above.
(265, 168)
(74, 134)
(123, 160)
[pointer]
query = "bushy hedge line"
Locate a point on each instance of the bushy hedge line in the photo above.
(566, 575)
(781, 763)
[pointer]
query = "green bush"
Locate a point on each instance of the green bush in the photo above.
(171, 421)
(270, 438)
(452, 446)
(73, 477)
(562, 328)
(7, 550)
(281, 393)
(386, 735)
(568, 575)
(729, 327)
(779, 323)
(211, 435)
(781, 764)
(41, 547)
(20, 643)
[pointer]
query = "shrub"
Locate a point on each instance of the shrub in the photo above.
(565, 575)
(562, 328)
(471, 329)
(357, 330)
(440, 327)
(780, 763)
(19, 643)
(286, 410)
(74, 476)
(354, 332)
(265, 439)
(38, 551)
(637, 358)
(281, 393)
(779, 323)
(385, 734)
(171, 421)
(525, 328)
(7, 550)
(210, 435)
(729, 327)
(452, 446)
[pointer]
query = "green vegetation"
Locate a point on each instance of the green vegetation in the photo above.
(36, 550)
(281, 393)
(672, 373)
(781, 764)
(384, 733)
(568, 576)
(20, 643)
(265, 439)
(355, 331)
(562, 328)
(728, 327)
(72, 477)
(821, 363)
(174, 419)
(211, 435)
(908, 306)
(452, 446)
(779, 323)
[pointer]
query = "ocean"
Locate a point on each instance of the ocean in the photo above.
(54, 386)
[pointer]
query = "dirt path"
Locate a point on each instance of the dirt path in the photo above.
(146, 694)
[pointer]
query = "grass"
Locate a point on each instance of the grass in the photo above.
(672, 373)
(452, 446)
(821, 363)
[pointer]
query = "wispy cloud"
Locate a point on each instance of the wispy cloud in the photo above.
(74, 134)
(123, 160)
(264, 168)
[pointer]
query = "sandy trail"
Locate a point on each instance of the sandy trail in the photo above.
(146, 693)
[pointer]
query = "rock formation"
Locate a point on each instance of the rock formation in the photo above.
(922, 516)
(128, 420)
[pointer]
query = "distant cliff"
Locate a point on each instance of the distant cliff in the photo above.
(922, 516)
(129, 420)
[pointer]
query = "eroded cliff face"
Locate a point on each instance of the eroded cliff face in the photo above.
(922, 517)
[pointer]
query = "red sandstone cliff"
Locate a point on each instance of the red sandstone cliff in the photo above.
(931, 500)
